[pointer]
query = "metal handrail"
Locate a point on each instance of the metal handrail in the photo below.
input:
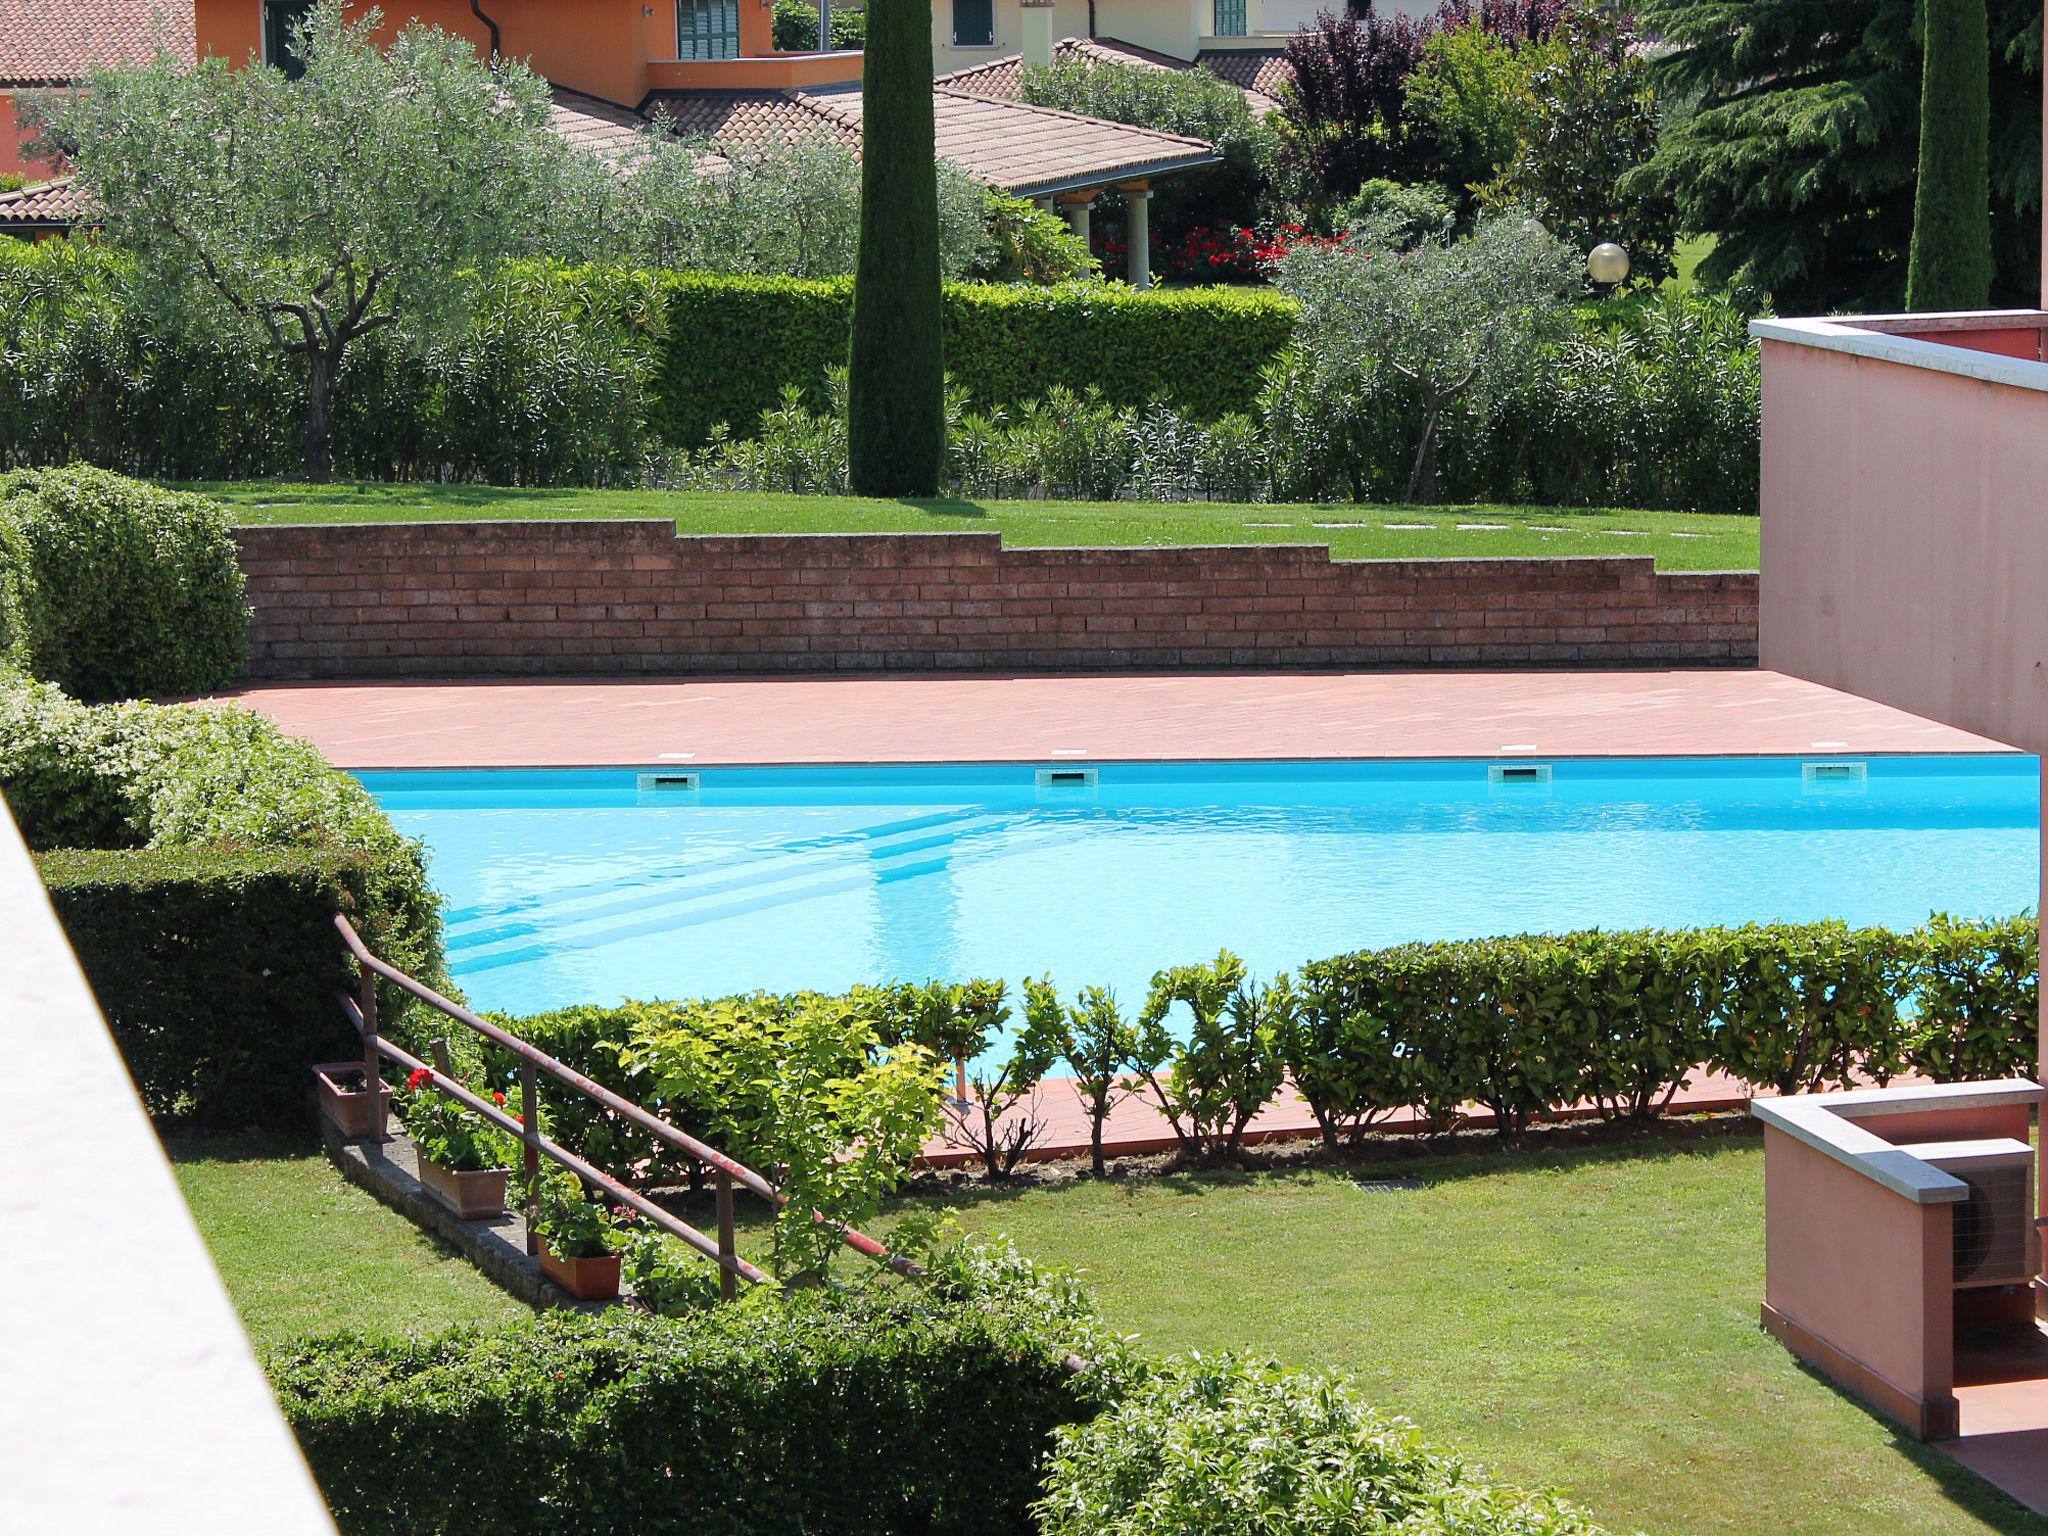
(362, 1012)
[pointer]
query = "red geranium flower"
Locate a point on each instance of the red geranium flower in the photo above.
(419, 1079)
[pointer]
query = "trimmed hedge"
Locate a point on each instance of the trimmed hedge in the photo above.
(882, 1414)
(734, 344)
(216, 969)
(172, 789)
(114, 589)
(1523, 1025)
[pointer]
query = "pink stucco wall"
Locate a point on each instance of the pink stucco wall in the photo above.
(1866, 1270)
(1905, 535)
(1905, 538)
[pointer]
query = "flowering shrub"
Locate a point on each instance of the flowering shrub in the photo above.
(443, 1131)
(1240, 255)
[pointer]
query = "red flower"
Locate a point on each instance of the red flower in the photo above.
(499, 1097)
(419, 1079)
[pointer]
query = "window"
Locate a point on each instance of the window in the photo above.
(1230, 18)
(279, 51)
(974, 23)
(707, 29)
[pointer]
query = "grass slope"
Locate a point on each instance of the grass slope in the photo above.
(1584, 1320)
(1679, 541)
(305, 1252)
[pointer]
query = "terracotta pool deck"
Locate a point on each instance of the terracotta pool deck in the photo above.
(1143, 717)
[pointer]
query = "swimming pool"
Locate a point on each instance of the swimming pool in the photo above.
(594, 885)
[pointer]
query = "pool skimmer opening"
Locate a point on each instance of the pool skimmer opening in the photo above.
(669, 783)
(1518, 773)
(1834, 773)
(1068, 778)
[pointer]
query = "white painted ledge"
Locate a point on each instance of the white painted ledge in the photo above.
(1827, 1123)
(1870, 336)
(129, 1397)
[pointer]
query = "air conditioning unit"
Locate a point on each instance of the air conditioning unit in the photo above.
(1993, 1221)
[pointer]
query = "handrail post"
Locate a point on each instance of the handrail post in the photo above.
(728, 1282)
(373, 1066)
(529, 1119)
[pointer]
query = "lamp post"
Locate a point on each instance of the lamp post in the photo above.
(1607, 263)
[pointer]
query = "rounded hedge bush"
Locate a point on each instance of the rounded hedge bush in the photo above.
(113, 588)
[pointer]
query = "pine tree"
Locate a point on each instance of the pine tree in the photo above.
(1951, 258)
(1800, 154)
(896, 410)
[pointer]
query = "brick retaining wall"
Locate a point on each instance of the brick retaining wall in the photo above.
(441, 599)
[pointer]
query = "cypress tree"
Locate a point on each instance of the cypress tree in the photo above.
(896, 407)
(1950, 266)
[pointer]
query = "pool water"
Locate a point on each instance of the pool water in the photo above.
(592, 886)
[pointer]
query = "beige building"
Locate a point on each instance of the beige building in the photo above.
(966, 33)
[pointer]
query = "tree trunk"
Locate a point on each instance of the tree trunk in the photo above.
(1095, 1139)
(319, 468)
(1422, 478)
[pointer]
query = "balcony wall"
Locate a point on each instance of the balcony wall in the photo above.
(1905, 514)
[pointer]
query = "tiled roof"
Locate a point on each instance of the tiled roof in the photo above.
(590, 122)
(741, 118)
(44, 205)
(1256, 72)
(1027, 151)
(1004, 78)
(46, 42)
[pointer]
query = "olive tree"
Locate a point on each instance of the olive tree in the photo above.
(786, 207)
(322, 209)
(1449, 321)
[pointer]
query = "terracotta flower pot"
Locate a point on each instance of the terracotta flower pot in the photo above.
(346, 1102)
(470, 1195)
(594, 1279)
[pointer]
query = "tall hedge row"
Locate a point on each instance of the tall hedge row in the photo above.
(734, 343)
(888, 1415)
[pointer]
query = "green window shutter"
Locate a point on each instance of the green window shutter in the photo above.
(974, 23)
(707, 29)
(1230, 20)
(279, 17)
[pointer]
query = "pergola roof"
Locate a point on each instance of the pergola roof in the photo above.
(1024, 150)
(47, 42)
(1258, 72)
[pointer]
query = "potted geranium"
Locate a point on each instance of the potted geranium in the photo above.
(580, 1241)
(463, 1160)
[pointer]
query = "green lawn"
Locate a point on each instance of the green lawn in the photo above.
(305, 1252)
(1679, 541)
(1584, 1319)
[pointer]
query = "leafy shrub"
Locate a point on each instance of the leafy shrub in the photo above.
(871, 1414)
(116, 588)
(1223, 1447)
(544, 381)
(1976, 990)
(216, 970)
(188, 777)
(1229, 1064)
(806, 1090)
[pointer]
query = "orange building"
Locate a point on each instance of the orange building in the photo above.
(710, 65)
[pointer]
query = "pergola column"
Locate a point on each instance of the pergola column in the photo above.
(1078, 208)
(1138, 234)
